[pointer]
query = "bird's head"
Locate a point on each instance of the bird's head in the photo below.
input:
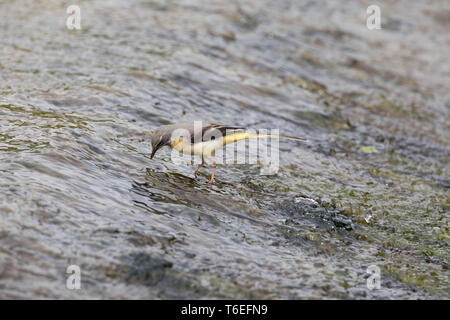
(159, 139)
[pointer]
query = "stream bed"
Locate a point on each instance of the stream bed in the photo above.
(364, 201)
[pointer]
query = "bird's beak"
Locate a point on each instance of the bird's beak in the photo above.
(156, 148)
(154, 151)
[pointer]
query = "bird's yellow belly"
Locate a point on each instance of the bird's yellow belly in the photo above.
(202, 149)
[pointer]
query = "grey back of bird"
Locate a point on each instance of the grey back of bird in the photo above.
(204, 132)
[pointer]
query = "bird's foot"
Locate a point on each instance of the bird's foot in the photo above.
(198, 168)
(196, 172)
(211, 181)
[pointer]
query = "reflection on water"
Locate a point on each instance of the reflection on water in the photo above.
(370, 188)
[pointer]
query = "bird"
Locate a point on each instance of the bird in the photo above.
(202, 139)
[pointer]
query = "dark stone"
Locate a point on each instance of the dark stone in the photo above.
(145, 269)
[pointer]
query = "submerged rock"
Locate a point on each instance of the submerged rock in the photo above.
(145, 269)
(323, 215)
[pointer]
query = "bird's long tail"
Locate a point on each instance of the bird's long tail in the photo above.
(234, 137)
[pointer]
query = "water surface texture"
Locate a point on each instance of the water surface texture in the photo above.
(368, 191)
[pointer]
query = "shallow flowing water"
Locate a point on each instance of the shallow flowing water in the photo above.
(368, 192)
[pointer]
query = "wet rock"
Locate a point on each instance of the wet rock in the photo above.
(145, 269)
(323, 215)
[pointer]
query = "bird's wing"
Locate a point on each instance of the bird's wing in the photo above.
(213, 131)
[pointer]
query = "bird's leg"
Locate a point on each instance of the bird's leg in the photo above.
(199, 166)
(213, 172)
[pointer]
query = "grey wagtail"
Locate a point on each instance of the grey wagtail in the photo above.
(202, 139)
